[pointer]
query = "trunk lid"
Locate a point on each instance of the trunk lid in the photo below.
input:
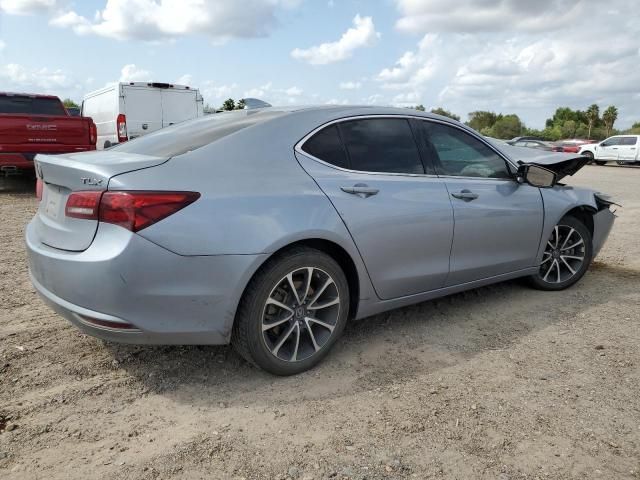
(63, 174)
(562, 164)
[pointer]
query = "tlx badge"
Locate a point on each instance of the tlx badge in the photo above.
(91, 181)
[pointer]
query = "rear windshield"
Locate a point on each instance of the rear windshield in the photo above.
(192, 134)
(31, 105)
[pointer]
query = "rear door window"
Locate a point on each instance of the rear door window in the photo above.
(629, 140)
(381, 145)
(327, 146)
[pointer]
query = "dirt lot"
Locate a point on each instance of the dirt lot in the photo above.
(503, 383)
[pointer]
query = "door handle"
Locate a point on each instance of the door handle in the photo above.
(361, 189)
(465, 195)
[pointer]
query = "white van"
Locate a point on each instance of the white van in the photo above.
(124, 111)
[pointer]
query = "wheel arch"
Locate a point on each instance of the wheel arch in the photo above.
(336, 251)
(585, 214)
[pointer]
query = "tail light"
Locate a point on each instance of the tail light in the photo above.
(83, 205)
(121, 125)
(39, 186)
(93, 133)
(131, 210)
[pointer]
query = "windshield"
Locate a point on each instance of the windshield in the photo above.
(193, 134)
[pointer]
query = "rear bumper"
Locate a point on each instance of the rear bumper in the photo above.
(123, 279)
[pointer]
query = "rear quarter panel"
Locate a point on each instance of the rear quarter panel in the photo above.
(255, 198)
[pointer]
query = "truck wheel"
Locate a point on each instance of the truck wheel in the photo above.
(600, 162)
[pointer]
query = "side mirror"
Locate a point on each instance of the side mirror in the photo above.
(536, 176)
(604, 144)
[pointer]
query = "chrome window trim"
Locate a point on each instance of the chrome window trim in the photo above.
(298, 147)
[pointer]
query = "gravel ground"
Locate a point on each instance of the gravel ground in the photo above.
(502, 383)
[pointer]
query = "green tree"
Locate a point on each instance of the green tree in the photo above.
(508, 126)
(609, 117)
(444, 113)
(420, 108)
(569, 128)
(593, 115)
(480, 120)
(229, 104)
(240, 105)
(67, 102)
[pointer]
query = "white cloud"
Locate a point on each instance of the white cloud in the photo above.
(350, 85)
(259, 92)
(20, 78)
(185, 79)
(27, 7)
(525, 71)
(335, 101)
(422, 16)
(362, 34)
(210, 90)
(155, 20)
(293, 91)
(3, 45)
(131, 73)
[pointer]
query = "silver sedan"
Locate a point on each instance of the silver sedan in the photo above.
(270, 228)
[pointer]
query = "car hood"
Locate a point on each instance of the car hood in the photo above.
(562, 164)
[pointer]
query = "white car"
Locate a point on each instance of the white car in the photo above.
(623, 149)
(124, 111)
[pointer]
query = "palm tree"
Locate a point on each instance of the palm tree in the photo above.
(593, 114)
(609, 117)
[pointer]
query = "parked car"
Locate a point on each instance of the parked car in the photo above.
(573, 145)
(519, 139)
(623, 149)
(270, 228)
(124, 111)
(539, 144)
(32, 124)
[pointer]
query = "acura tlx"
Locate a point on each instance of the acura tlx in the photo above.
(271, 227)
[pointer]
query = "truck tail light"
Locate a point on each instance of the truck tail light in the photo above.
(93, 133)
(121, 125)
(132, 210)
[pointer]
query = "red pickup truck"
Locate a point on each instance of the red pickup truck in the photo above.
(32, 124)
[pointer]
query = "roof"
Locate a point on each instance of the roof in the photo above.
(32, 95)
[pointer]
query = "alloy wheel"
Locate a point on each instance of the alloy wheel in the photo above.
(300, 314)
(564, 255)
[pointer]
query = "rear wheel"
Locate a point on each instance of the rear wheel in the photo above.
(589, 155)
(292, 312)
(566, 257)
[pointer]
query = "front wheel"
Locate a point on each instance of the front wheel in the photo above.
(292, 312)
(566, 257)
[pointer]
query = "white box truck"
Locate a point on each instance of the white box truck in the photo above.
(124, 111)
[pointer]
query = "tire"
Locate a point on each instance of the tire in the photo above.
(292, 312)
(550, 276)
(600, 162)
(621, 163)
(589, 155)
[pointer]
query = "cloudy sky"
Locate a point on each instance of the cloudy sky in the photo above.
(503, 55)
